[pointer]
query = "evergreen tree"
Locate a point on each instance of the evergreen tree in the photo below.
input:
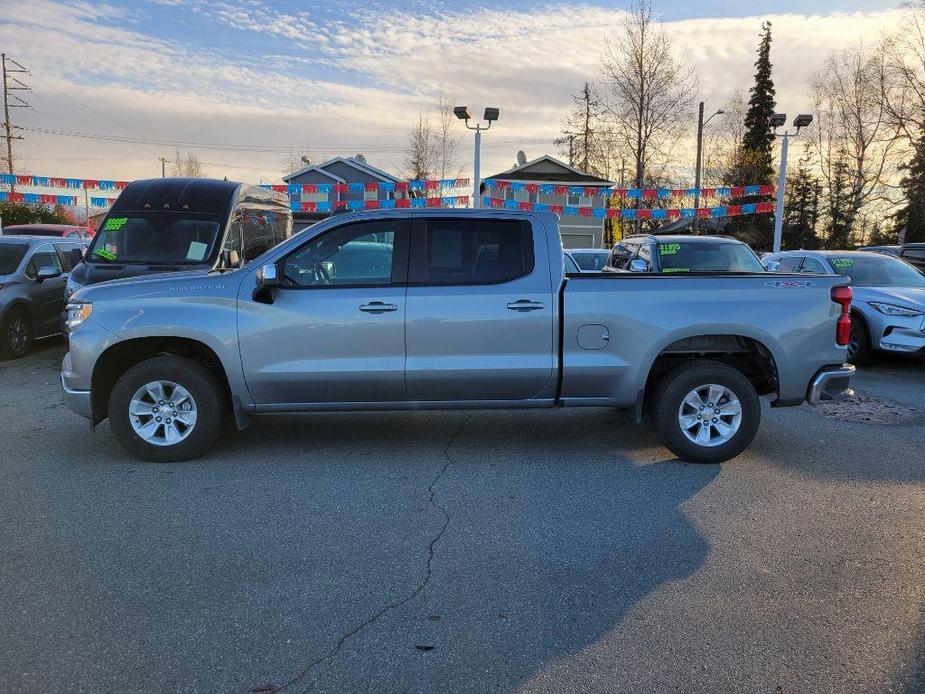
(839, 201)
(801, 210)
(911, 216)
(754, 162)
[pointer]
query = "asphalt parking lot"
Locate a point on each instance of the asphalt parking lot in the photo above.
(444, 552)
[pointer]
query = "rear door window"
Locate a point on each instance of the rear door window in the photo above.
(790, 263)
(471, 251)
(813, 266)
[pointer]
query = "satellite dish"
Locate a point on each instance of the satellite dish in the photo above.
(521, 158)
(360, 158)
(306, 160)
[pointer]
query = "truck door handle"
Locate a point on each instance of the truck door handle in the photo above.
(378, 307)
(524, 305)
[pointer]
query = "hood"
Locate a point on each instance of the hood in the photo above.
(198, 282)
(912, 297)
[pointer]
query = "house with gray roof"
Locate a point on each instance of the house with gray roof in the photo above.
(577, 232)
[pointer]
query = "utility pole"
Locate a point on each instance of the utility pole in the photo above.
(18, 103)
(700, 124)
(163, 161)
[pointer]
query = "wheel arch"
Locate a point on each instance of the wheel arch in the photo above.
(121, 356)
(747, 354)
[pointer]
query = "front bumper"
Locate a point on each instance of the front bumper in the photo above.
(907, 338)
(79, 401)
(831, 383)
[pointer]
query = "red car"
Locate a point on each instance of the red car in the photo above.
(64, 231)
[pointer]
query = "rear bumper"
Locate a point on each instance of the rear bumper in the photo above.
(831, 383)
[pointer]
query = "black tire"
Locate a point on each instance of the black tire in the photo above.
(859, 351)
(17, 334)
(677, 384)
(203, 386)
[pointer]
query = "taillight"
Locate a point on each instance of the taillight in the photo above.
(842, 297)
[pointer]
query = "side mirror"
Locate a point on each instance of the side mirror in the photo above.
(772, 266)
(639, 265)
(268, 276)
(76, 255)
(47, 273)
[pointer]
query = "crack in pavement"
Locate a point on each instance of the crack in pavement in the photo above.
(428, 569)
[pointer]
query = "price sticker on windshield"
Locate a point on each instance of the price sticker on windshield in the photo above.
(103, 253)
(669, 248)
(115, 223)
(842, 263)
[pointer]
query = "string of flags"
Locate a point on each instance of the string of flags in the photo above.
(58, 182)
(330, 206)
(629, 212)
(42, 199)
(372, 187)
(630, 193)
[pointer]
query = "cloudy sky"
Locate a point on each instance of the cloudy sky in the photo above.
(240, 82)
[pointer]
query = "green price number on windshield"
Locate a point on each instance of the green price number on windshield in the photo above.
(115, 223)
(669, 248)
(103, 253)
(842, 263)
(676, 269)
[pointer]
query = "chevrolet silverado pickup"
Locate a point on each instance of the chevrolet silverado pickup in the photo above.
(449, 309)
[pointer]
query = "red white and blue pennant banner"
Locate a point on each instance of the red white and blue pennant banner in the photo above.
(62, 200)
(57, 182)
(630, 193)
(632, 212)
(331, 205)
(294, 189)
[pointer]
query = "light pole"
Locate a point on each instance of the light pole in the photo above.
(163, 161)
(700, 124)
(777, 120)
(491, 115)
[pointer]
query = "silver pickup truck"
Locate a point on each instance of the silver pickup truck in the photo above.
(415, 309)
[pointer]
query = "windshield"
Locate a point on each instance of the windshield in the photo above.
(11, 254)
(591, 260)
(157, 238)
(704, 256)
(877, 271)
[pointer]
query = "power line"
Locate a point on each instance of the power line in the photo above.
(17, 86)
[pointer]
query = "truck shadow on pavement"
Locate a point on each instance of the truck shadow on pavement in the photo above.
(545, 529)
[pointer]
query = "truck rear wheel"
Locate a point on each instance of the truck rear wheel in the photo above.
(167, 409)
(706, 411)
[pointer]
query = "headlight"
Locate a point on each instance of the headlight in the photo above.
(77, 313)
(70, 287)
(893, 310)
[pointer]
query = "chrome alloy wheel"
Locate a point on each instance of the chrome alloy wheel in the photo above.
(162, 413)
(710, 415)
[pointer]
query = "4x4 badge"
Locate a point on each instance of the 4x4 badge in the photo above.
(790, 283)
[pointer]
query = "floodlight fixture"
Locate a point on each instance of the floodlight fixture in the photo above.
(777, 120)
(803, 120)
(491, 114)
(462, 112)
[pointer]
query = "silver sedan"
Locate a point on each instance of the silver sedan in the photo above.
(888, 310)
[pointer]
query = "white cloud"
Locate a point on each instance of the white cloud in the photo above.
(353, 85)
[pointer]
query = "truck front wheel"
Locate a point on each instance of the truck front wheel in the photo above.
(167, 409)
(706, 411)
